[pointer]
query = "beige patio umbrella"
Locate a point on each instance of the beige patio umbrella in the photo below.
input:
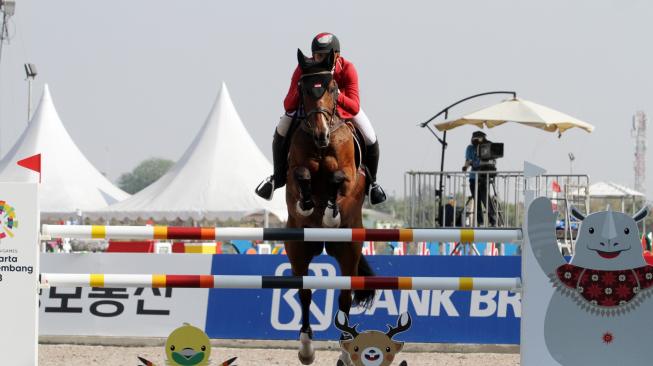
(510, 110)
(519, 111)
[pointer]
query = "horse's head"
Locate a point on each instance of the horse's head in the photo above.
(318, 93)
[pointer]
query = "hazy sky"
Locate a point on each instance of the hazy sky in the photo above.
(136, 79)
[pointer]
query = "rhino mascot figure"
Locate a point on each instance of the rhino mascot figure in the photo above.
(601, 312)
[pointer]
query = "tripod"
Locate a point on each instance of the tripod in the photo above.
(493, 213)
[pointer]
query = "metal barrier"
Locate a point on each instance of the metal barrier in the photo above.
(502, 199)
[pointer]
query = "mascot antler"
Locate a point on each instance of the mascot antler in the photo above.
(403, 323)
(342, 323)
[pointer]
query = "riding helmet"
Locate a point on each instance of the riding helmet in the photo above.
(324, 43)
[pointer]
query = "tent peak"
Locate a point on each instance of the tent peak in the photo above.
(46, 92)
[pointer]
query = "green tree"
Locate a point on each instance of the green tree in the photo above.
(146, 173)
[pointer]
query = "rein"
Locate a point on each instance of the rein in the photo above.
(334, 121)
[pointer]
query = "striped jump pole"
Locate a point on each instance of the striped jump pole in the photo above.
(272, 282)
(464, 235)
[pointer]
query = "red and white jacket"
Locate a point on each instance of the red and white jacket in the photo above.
(347, 78)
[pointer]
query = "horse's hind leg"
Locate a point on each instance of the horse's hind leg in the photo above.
(305, 205)
(348, 256)
(331, 216)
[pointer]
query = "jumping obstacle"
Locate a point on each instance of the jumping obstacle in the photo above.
(281, 282)
(20, 287)
(465, 235)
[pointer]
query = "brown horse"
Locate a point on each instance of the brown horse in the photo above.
(325, 189)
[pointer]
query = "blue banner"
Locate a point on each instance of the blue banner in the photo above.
(485, 317)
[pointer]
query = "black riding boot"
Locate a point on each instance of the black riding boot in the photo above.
(376, 193)
(280, 160)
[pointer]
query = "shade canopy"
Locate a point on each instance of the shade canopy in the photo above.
(520, 111)
(214, 179)
(613, 190)
(69, 181)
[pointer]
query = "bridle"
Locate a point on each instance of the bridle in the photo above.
(334, 121)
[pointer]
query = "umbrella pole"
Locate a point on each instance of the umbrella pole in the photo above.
(441, 188)
(443, 141)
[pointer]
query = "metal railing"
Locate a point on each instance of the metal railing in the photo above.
(501, 197)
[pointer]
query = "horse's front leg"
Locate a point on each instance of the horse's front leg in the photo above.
(305, 205)
(306, 351)
(331, 216)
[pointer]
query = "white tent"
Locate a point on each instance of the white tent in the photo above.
(213, 180)
(69, 181)
(613, 190)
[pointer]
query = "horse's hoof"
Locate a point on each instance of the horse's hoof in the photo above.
(303, 212)
(306, 352)
(306, 360)
(328, 220)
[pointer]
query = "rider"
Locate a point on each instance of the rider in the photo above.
(348, 108)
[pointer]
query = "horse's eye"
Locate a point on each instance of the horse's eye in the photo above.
(203, 348)
(387, 349)
(591, 230)
(356, 349)
(172, 348)
(627, 231)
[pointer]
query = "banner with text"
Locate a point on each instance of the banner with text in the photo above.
(490, 317)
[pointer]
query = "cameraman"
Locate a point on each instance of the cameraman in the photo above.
(478, 179)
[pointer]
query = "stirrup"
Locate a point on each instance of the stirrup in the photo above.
(377, 194)
(265, 189)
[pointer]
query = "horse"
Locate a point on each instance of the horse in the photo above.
(325, 188)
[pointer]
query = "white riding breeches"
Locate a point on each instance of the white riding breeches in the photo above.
(360, 121)
(365, 127)
(284, 124)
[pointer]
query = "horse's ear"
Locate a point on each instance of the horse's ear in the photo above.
(301, 59)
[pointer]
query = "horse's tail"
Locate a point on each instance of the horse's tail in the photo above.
(364, 298)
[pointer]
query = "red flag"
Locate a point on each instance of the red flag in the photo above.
(32, 163)
(644, 242)
(555, 187)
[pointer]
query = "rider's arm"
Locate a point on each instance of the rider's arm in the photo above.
(469, 156)
(348, 98)
(291, 103)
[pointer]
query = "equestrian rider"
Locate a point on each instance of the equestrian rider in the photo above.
(348, 108)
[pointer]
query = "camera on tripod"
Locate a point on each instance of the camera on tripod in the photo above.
(488, 153)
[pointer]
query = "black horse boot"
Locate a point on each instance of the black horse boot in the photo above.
(266, 188)
(376, 193)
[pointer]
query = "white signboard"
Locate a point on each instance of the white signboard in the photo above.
(19, 243)
(138, 312)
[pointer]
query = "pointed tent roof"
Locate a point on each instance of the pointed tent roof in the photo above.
(69, 181)
(214, 179)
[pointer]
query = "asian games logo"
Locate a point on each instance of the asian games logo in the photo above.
(7, 220)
